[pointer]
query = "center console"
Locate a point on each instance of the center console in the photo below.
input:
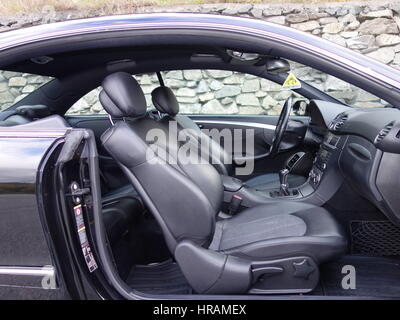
(324, 178)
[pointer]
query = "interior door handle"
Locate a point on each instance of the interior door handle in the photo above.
(201, 126)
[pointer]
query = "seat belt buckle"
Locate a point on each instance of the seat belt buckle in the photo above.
(235, 203)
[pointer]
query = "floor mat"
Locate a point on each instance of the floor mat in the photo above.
(160, 278)
(375, 238)
(375, 277)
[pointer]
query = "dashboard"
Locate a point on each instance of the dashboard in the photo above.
(369, 152)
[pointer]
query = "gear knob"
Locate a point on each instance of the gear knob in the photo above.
(283, 176)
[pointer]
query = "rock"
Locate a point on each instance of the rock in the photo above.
(247, 99)
(227, 100)
(348, 18)
(269, 102)
(193, 75)
(333, 28)
(261, 94)
(272, 11)
(3, 87)
(396, 48)
(176, 74)
(206, 96)
(227, 91)
(193, 108)
(396, 59)
(366, 96)
(257, 13)
(361, 42)
(149, 88)
(37, 79)
(282, 95)
(306, 26)
(17, 82)
(314, 15)
(10, 74)
(335, 84)
(251, 85)
(384, 40)
(80, 106)
(28, 89)
(97, 108)
(182, 99)
(250, 110)
(387, 13)
(186, 92)
(174, 83)
(244, 8)
(268, 86)
(385, 55)
(191, 84)
(335, 38)
(234, 79)
(278, 20)
(216, 85)
(297, 17)
(378, 26)
(327, 20)
(215, 107)
(349, 34)
(6, 97)
(395, 7)
(218, 74)
(145, 80)
(352, 25)
(203, 87)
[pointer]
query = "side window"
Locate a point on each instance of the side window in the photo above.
(225, 92)
(15, 86)
(205, 92)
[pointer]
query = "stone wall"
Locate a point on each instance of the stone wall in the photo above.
(371, 28)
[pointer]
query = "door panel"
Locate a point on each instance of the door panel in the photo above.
(263, 126)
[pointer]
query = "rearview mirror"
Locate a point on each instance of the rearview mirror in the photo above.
(277, 65)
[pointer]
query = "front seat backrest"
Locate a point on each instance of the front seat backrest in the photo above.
(155, 168)
(165, 101)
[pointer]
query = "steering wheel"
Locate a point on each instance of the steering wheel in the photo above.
(281, 126)
(278, 134)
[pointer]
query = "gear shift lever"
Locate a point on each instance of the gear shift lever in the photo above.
(283, 176)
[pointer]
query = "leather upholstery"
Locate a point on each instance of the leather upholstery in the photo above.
(271, 181)
(122, 96)
(279, 230)
(165, 101)
(185, 198)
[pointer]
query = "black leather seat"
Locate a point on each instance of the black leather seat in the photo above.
(266, 249)
(165, 101)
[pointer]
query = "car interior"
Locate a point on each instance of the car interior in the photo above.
(322, 194)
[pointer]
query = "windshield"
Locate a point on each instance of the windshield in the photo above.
(336, 88)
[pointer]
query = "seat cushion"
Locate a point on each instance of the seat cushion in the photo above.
(279, 230)
(271, 181)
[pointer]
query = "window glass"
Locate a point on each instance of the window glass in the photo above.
(337, 88)
(15, 86)
(206, 92)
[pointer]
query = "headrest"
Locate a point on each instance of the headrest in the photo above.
(122, 96)
(165, 101)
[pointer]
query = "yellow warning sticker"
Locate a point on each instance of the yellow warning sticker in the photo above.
(291, 82)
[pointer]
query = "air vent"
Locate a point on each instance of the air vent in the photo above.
(383, 133)
(293, 160)
(338, 122)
